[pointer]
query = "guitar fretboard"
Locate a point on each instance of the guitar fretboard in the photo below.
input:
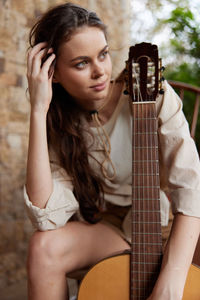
(146, 225)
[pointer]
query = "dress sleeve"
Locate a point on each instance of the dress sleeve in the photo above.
(179, 160)
(60, 206)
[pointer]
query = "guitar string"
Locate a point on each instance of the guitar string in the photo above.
(152, 165)
(136, 180)
(157, 181)
(156, 178)
(143, 112)
(140, 127)
(133, 197)
(143, 136)
(147, 177)
(136, 170)
(139, 153)
(140, 182)
(146, 182)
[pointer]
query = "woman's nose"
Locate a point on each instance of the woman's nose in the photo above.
(98, 70)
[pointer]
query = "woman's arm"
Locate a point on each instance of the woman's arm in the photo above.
(177, 258)
(39, 179)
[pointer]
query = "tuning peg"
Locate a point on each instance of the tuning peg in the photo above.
(162, 79)
(162, 69)
(161, 91)
(126, 92)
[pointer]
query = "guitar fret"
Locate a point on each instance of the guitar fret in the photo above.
(146, 199)
(146, 211)
(146, 186)
(142, 271)
(134, 222)
(146, 147)
(143, 253)
(148, 243)
(136, 118)
(147, 160)
(143, 263)
(147, 233)
(146, 174)
(141, 288)
(142, 280)
(145, 132)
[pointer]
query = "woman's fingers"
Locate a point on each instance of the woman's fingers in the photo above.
(31, 54)
(47, 66)
(39, 72)
(37, 61)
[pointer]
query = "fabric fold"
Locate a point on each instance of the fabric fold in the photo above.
(60, 207)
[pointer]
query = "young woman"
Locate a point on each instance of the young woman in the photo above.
(79, 161)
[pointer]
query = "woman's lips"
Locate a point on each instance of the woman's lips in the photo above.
(99, 87)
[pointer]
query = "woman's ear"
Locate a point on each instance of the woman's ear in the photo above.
(54, 79)
(52, 70)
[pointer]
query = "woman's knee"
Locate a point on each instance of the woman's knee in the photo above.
(43, 253)
(51, 248)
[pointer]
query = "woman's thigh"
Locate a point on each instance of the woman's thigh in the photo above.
(78, 244)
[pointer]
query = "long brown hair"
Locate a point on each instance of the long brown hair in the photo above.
(64, 131)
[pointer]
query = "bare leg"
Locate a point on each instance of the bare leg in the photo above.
(52, 254)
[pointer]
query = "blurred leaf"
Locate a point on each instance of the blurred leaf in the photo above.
(187, 32)
(188, 73)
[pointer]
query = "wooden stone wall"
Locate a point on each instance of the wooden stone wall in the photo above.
(16, 19)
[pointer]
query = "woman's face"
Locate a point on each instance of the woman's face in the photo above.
(84, 67)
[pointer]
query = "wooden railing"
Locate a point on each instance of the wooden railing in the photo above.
(182, 87)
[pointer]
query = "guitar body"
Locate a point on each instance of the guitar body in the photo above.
(110, 280)
(107, 280)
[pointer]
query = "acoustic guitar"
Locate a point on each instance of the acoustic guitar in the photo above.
(131, 276)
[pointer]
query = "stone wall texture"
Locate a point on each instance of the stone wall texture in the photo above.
(16, 19)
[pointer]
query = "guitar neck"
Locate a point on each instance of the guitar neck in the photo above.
(146, 225)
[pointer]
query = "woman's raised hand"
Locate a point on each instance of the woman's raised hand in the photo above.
(39, 80)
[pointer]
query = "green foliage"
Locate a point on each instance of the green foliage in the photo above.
(182, 53)
(186, 31)
(189, 74)
(185, 72)
(157, 5)
(186, 44)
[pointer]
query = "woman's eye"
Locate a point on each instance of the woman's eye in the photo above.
(103, 54)
(82, 64)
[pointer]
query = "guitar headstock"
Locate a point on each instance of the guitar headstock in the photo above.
(143, 73)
